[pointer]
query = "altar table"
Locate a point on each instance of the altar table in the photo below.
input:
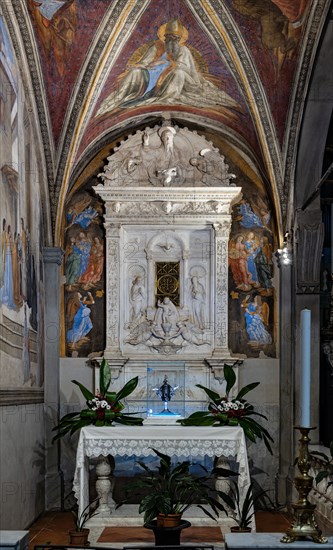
(179, 441)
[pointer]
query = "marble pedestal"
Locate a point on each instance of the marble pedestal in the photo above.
(18, 540)
(242, 541)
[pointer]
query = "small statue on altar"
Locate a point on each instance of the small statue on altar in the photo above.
(166, 392)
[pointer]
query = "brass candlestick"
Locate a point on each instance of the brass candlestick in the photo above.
(304, 524)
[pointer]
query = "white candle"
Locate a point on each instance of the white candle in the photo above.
(305, 370)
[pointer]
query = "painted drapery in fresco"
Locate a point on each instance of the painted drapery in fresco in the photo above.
(166, 71)
(84, 275)
(21, 270)
(251, 290)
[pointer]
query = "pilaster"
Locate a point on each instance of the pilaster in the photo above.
(284, 478)
(52, 259)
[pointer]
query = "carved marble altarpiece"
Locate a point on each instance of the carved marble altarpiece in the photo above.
(168, 200)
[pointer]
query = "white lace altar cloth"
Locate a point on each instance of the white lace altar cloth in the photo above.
(179, 441)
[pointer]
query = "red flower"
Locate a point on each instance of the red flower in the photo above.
(236, 414)
(100, 413)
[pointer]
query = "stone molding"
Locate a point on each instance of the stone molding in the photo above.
(53, 255)
(21, 396)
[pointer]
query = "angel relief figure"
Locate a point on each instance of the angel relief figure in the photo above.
(169, 72)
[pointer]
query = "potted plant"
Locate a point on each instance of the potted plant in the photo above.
(171, 491)
(227, 411)
(103, 409)
(79, 535)
(244, 511)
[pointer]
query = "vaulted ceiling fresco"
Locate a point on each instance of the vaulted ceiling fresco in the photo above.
(103, 67)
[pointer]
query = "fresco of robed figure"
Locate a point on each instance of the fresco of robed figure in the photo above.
(166, 71)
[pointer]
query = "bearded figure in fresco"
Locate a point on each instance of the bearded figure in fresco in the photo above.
(56, 23)
(274, 17)
(280, 22)
(168, 72)
(95, 266)
(238, 256)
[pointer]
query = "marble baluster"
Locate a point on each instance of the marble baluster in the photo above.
(104, 487)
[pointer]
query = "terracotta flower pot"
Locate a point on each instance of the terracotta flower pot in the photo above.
(171, 520)
(78, 538)
(237, 529)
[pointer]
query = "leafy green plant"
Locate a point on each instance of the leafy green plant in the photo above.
(244, 510)
(173, 489)
(81, 519)
(327, 472)
(227, 411)
(103, 409)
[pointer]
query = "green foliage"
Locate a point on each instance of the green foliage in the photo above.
(245, 510)
(327, 473)
(224, 411)
(103, 409)
(81, 519)
(173, 489)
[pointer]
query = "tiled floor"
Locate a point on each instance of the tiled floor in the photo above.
(53, 528)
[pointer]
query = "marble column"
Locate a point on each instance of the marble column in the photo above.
(52, 258)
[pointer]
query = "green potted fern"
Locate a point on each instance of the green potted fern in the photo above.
(79, 535)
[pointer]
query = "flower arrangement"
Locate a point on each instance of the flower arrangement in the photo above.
(103, 409)
(227, 411)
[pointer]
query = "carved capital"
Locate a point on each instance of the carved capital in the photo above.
(53, 255)
(112, 229)
(309, 238)
(222, 229)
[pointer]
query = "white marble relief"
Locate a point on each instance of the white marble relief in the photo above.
(180, 189)
(166, 156)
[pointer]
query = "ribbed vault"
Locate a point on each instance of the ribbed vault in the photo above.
(225, 33)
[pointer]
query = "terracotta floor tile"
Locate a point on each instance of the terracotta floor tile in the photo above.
(53, 528)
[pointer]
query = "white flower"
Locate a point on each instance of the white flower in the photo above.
(103, 404)
(108, 407)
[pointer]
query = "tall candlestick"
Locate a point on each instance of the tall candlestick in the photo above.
(305, 370)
